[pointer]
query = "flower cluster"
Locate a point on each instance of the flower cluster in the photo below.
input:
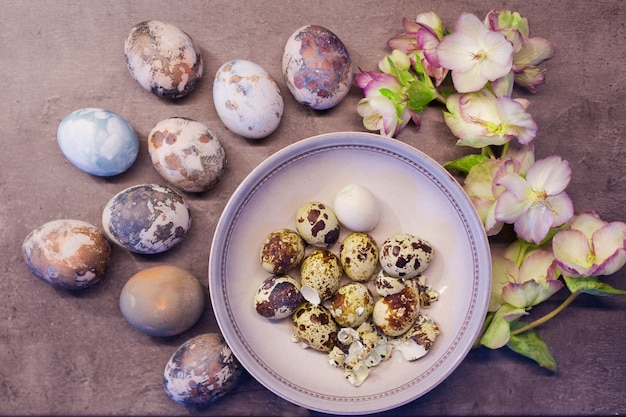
(555, 247)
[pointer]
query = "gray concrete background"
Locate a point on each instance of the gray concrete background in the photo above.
(74, 354)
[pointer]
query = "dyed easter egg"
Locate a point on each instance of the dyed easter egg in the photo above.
(187, 154)
(146, 218)
(69, 254)
(163, 300)
(201, 371)
(317, 67)
(163, 59)
(98, 141)
(247, 99)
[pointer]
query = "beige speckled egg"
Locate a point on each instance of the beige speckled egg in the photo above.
(386, 285)
(146, 218)
(317, 224)
(359, 256)
(163, 59)
(70, 254)
(321, 271)
(247, 99)
(281, 251)
(394, 314)
(352, 304)
(278, 297)
(163, 300)
(314, 325)
(187, 154)
(201, 371)
(317, 67)
(405, 256)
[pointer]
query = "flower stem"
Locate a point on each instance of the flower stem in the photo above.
(548, 316)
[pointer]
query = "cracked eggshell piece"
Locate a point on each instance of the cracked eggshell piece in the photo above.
(386, 285)
(405, 256)
(317, 224)
(247, 99)
(395, 314)
(278, 297)
(418, 340)
(317, 67)
(314, 325)
(201, 371)
(352, 304)
(359, 256)
(187, 154)
(281, 251)
(163, 59)
(146, 218)
(320, 270)
(67, 253)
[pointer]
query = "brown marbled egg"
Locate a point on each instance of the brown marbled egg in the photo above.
(70, 254)
(317, 67)
(202, 370)
(187, 154)
(163, 59)
(281, 251)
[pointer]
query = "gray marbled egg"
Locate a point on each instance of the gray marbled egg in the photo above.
(202, 370)
(69, 254)
(146, 218)
(163, 59)
(187, 154)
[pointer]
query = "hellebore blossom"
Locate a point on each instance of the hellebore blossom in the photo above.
(537, 203)
(589, 246)
(480, 119)
(474, 54)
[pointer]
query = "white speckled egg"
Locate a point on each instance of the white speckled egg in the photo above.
(320, 270)
(359, 256)
(317, 67)
(98, 141)
(69, 254)
(315, 326)
(163, 59)
(164, 300)
(146, 218)
(278, 297)
(317, 224)
(281, 251)
(405, 256)
(352, 304)
(247, 99)
(186, 154)
(357, 208)
(201, 371)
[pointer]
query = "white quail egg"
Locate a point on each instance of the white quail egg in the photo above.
(357, 208)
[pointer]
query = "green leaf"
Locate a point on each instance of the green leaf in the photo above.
(530, 345)
(465, 163)
(420, 94)
(591, 285)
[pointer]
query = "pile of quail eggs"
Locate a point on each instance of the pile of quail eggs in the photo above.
(149, 219)
(358, 305)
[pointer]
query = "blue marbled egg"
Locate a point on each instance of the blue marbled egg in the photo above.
(98, 141)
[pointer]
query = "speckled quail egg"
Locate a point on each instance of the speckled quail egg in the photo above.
(146, 218)
(320, 271)
(357, 208)
(386, 285)
(278, 297)
(359, 256)
(201, 371)
(67, 253)
(187, 154)
(163, 300)
(394, 314)
(282, 251)
(418, 340)
(352, 304)
(314, 325)
(317, 224)
(405, 255)
(247, 99)
(317, 67)
(163, 59)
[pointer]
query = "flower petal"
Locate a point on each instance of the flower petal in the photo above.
(551, 174)
(572, 252)
(534, 224)
(561, 207)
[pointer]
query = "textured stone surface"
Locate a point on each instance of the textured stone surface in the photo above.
(74, 354)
